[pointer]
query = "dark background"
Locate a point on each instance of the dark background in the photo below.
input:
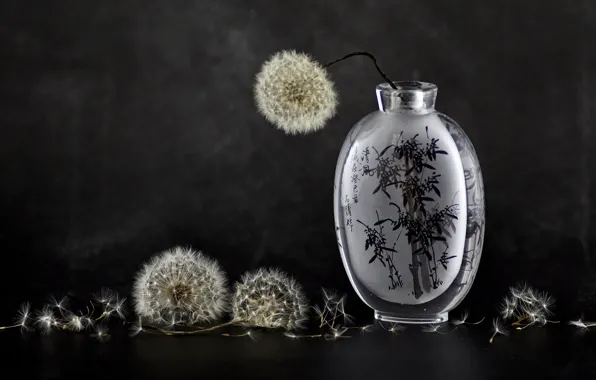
(128, 127)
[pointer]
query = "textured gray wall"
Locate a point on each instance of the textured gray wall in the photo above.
(127, 127)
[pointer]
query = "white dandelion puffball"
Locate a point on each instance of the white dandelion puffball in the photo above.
(269, 298)
(295, 93)
(180, 287)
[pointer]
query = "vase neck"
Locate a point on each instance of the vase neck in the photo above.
(408, 97)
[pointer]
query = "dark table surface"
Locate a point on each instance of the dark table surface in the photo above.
(552, 352)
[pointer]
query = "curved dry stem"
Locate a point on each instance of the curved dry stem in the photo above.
(196, 331)
(372, 57)
(9, 327)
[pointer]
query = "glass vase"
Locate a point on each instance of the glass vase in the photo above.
(409, 207)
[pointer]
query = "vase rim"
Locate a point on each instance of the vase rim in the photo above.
(408, 85)
(407, 96)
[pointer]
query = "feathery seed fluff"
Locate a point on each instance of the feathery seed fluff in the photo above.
(294, 92)
(180, 287)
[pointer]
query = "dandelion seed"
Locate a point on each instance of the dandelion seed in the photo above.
(23, 316)
(45, 319)
(519, 291)
(579, 323)
(497, 329)
(582, 324)
(75, 323)
(101, 334)
(431, 328)
(105, 296)
(119, 307)
(335, 334)
(58, 303)
(508, 308)
(333, 310)
(462, 319)
(347, 318)
(545, 302)
(290, 335)
(294, 92)
(396, 329)
(87, 322)
(136, 328)
(366, 329)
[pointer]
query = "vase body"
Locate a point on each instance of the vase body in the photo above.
(409, 207)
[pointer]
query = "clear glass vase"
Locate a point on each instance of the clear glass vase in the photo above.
(409, 207)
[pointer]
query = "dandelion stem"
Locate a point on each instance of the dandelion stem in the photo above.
(372, 57)
(9, 327)
(309, 336)
(521, 319)
(492, 338)
(236, 335)
(475, 323)
(524, 326)
(197, 331)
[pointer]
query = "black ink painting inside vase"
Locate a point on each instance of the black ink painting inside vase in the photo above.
(409, 207)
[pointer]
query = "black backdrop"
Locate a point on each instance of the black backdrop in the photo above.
(127, 127)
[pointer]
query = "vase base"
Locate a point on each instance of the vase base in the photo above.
(418, 320)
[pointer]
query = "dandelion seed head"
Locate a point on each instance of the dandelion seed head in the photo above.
(180, 285)
(269, 298)
(294, 92)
